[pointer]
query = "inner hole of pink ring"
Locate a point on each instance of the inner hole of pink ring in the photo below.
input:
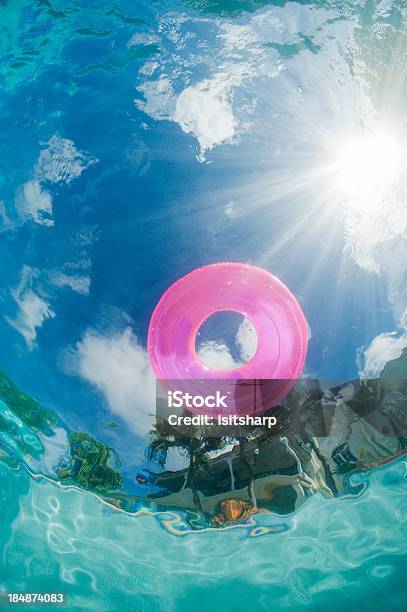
(226, 340)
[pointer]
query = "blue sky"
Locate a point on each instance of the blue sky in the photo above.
(137, 150)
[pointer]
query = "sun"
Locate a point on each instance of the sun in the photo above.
(368, 168)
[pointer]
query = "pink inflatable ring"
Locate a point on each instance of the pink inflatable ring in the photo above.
(251, 291)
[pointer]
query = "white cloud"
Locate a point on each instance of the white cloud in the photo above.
(33, 310)
(118, 366)
(33, 202)
(203, 109)
(206, 107)
(246, 340)
(77, 283)
(384, 348)
(159, 100)
(5, 222)
(143, 38)
(61, 161)
(206, 114)
(216, 354)
(231, 210)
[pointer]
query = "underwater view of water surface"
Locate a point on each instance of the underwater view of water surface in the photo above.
(141, 140)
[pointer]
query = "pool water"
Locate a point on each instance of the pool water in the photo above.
(330, 555)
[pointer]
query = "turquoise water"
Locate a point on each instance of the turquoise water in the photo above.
(349, 553)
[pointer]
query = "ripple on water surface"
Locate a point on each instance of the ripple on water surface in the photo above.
(329, 553)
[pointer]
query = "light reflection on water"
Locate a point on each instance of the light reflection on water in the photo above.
(325, 555)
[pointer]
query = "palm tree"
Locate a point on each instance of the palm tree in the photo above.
(194, 445)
